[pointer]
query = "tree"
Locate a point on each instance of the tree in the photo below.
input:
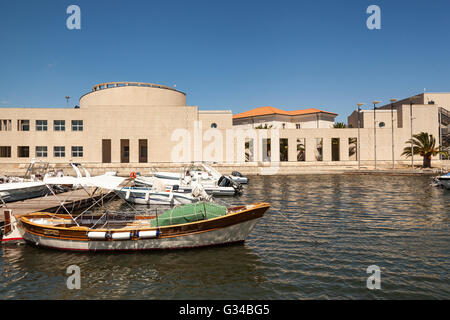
(339, 125)
(423, 144)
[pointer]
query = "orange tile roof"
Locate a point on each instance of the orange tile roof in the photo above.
(262, 111)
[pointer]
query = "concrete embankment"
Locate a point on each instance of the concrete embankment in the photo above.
(261, 168)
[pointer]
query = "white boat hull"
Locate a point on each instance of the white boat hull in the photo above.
(156, 198)
(445, 182)
(210, 188)
(10, 192)
(232, 234)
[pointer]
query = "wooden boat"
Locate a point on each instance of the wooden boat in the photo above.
(189, 226)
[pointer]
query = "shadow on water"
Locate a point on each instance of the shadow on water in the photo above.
(316, 242)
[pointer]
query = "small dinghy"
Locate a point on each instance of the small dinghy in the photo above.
(144, 195)
(188, 226)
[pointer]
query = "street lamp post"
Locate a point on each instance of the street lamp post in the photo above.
(411, 125)
(375, 133)
(392, 125)
(358, 141)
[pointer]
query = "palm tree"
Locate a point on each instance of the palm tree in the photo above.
(339, 125)
(425, 145)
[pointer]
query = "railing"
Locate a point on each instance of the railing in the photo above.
(107, 85)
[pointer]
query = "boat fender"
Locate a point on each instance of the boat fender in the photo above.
(121, 235)
(147, 195)
(97, 235)
(148, 234)
(127, 195)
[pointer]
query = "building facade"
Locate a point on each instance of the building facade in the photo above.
(132, 125)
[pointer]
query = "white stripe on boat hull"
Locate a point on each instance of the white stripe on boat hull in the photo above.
(231, 234)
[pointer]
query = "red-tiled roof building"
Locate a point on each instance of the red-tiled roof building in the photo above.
(282, 119)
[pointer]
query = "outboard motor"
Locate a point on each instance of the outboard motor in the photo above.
(227, 182)
(236, 174)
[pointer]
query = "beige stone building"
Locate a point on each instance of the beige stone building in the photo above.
(139, 125)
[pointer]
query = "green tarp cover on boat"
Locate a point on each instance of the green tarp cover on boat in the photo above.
(189, 213)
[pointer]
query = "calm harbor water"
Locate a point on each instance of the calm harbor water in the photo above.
(316, 242)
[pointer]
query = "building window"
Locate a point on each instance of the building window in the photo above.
(124, 150)
(59, 125)
(249, 150)
(319, 149)
(5, 125)
(77, 151)
(284, 149)
(335, 149)
(41, 151)
(214, 125)
(59, 152)
(381, 124)
(301, 147)
(142, 150)
(283, 125)
(23, 125)
(41, 125)
(353, 149)
(77, 125)
(297, 126)
(23, 152)
(5, 152)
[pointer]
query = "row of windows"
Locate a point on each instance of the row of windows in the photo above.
(41, 125)
(41, 151)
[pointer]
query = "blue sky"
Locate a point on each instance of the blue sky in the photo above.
(227, 54)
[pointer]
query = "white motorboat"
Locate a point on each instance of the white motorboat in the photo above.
(222, 187)
(17, 191)
(202, 172)
(444, 180)
(30, 186)
(108, 180)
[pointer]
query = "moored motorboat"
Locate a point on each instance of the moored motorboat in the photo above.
(29, 186)
(444, 180)
(209, 177)
(222, 187)
(17, 191)
(189, 226)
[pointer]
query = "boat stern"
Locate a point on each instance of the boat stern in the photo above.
(12, 232)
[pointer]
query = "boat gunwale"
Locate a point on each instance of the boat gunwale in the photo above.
(25, 219)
